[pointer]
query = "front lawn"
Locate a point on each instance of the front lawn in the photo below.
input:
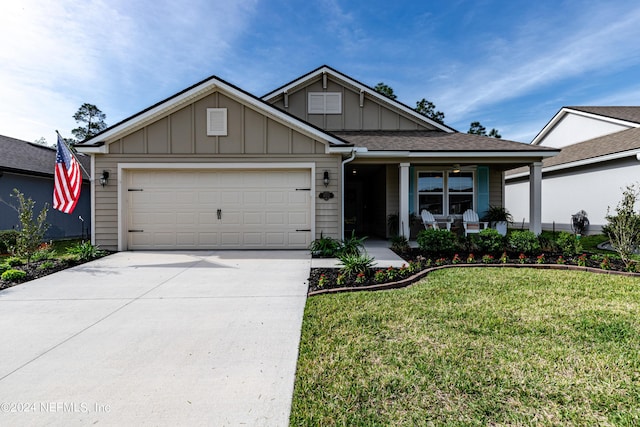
(474, 347)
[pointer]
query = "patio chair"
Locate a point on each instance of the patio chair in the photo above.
(471, 222)
(428, 219)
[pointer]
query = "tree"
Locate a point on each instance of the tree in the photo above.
(42, 141)
(428, 108)
(93, 119)
(623, 228)
(31, 230)
(477, 129)
(385, 90)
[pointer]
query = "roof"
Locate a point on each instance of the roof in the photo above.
(359, 86)
(595, 149)
(436, 141)
(628, 113)
(192, 92)
(30, 158)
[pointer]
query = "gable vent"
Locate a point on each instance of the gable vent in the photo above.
(325, 103)
(216, 121)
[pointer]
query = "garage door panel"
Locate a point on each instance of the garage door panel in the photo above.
(259, 209)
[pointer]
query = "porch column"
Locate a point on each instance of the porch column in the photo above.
(403, 209)
(535, 197)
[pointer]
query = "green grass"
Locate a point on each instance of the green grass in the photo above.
(474, 347)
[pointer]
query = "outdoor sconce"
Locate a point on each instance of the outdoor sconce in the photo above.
(326, 178)
(104, 179)
(456, 168)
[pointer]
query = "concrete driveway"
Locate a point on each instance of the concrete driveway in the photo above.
(155, 338)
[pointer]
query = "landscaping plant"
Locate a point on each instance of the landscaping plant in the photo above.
(352, 245)
(84, 251)
(490, 241)
(523, 241)
(353, 264)
(31, 231)
(568, 244)
(623, 228)
(437, 241)
(324, 247)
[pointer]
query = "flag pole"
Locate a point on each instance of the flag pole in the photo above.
(60, 138)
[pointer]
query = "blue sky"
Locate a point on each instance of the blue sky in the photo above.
(509, 64)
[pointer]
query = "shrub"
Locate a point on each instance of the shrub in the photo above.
(399, 244)
(437, 241)
(352, 245)
(623, 228)
(13, 261)
(353, 264)
(325, 247)
(489, 240)
(44, 252)
(568, 244)
(31, 230)
(3, 268)
(523, 241)
(7, 240)
(46, 265)
(84, 251)
(12, 275)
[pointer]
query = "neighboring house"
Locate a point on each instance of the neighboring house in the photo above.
(29, 167)
(600, 157)
(216, 167)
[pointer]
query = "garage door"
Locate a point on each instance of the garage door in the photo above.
(222, 209)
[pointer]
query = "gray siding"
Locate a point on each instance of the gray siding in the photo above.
(373, 115)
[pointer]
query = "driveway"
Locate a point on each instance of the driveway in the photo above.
(155, 338)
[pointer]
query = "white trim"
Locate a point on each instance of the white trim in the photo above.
(360, 87)
(579, 163)
(124, 168)
(364, 153)
(93, 199)
(565, 110)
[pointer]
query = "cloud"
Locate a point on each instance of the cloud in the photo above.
(537, 59)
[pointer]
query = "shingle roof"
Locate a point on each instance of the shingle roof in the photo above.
(433, 141)
(629, 113)
(618, 142)
(17, 155)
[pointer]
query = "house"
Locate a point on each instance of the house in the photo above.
(217, 167)
(29, 167)
(600, 156)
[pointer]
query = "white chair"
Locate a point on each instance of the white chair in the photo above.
(430, 221)
(471, 222)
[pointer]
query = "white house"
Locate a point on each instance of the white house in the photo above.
(600, 156)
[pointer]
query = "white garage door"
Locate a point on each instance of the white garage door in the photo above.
(222, 209)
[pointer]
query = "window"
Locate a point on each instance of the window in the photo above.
(445, 193)
(325, 103)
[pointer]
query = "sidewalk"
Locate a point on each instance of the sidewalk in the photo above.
(378, 249)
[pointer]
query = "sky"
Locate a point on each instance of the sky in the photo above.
(509, 64)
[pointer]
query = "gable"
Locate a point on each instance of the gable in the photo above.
(182, 124)
(185, 131)
(361, 108)
(571, 125)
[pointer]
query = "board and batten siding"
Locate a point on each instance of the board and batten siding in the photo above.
(180, 137)
(373, 115)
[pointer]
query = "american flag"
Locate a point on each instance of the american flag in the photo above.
(68, 179)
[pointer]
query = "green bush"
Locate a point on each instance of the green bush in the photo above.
(43, 254)
(568, 244)
(13, 261)
(84, 251)
(325, 247)
(352, 245)
(489, 241)
(12, 275)
(3, 268)
(7, 240)
(46, 265)
(437, 241)
(523, 241)
(399, 244)
(352, 264)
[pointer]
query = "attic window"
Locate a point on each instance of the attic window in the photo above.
(325, 103)
(216, 121)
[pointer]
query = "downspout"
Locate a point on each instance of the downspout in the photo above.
(344, 162)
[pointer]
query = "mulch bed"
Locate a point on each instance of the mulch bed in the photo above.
(37, 269)
(330, 280)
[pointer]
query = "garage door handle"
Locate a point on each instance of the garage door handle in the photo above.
(219, 213)
(304, 229)
(136, 231)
